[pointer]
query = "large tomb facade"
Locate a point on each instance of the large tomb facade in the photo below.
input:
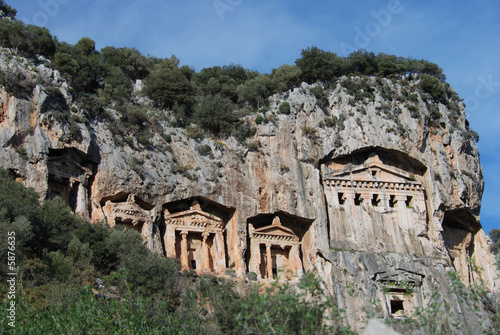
(277, 245)
(195, 234)
(69, 174)
(375, 201)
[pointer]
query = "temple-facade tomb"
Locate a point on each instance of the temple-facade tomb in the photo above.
(128, 211)
(195, 236)
(374, 184)
(69, 172)
(377, 184)
(276, 246)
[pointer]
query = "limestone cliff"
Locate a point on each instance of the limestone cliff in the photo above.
(376, 195)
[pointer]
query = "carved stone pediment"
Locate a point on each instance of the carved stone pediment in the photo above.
(127, 212)
(399, 277)
(373, 172)
(275, 230)
(372, 169)
(194, 218)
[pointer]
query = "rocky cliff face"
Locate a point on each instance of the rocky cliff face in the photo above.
(379, 196)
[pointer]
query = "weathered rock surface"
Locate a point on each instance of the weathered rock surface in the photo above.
(393, 197)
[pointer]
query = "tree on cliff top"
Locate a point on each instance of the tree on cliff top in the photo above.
(495, 237)
(7, 10)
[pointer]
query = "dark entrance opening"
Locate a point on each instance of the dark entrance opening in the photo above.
(396, 306)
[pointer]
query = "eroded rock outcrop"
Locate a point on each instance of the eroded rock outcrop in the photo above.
(376, 198)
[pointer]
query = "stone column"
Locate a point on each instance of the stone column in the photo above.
(295, 262)
(269, 261)
(184, 251)
(419, 200)
(82, 201)
(332, 195)
(205, 266)
(169, 240)
(400, 202)
(254, 263)
(220, 250)
(349, 198)
(402, 211)
(384, 200)
(367, 198)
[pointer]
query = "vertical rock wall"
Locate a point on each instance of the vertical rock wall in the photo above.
(304, 167)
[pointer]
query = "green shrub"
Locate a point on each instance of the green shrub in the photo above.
(260, 119)
(254, 146)
(413, 97)
(283, 310)
(195, 133)
(284, 108)
(204, 150)
(167, 86)
(321, 97)
(433, 86)
(285, 77)
(310, 132)
(61, 267)
(415, 114)
(331, 122)
(242, 131)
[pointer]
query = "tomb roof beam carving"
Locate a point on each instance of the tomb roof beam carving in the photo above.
(195, 230)
(388, 185)
(278, 238)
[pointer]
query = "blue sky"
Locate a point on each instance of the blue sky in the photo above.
(463, 37)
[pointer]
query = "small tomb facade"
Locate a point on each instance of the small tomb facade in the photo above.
(277, 246)
(400, 291)
(195, 235)
(128, 210)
